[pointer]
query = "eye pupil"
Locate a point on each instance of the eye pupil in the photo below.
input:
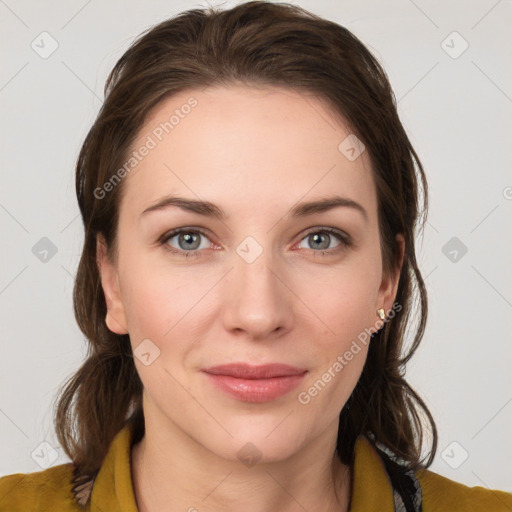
(316, 238)
(188, 238)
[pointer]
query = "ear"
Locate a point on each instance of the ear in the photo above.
(389, 284)
(115, 318)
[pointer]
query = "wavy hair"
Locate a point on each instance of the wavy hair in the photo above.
(254, 43)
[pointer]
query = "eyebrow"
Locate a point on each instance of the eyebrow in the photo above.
(211, 210)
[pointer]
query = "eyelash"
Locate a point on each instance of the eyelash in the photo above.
(346, 241)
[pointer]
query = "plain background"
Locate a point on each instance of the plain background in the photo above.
(456, 105)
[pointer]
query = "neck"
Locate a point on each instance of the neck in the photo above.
(171, 472)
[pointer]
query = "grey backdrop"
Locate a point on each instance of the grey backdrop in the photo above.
(450, 67)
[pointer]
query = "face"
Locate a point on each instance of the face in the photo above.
(264, 283)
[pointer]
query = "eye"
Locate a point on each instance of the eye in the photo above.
(319, 240)
(187, 240)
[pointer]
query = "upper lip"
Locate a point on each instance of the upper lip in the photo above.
(247, 371)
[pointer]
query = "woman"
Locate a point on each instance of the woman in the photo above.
(234, 363)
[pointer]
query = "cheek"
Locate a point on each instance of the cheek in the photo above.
(170, 305)
(342, 300)
(343, 307)
(156, 295)
(145, 305)
(159, 307)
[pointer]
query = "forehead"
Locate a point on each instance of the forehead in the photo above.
(239, 145)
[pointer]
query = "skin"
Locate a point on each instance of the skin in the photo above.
(254, 152)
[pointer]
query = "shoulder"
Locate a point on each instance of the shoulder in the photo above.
(442, 494)
(428, 491)
(38, 491)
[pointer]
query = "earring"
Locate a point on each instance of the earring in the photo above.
(381, 313)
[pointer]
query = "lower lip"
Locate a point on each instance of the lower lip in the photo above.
(256, 390)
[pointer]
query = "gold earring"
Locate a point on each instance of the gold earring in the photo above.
(381, 313)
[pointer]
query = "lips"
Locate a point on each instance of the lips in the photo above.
(249, 383)
(247, 371)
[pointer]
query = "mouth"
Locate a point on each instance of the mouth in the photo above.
(255, 384)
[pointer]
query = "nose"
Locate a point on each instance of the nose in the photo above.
(258, 301)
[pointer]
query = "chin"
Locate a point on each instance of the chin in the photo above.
(262, 441)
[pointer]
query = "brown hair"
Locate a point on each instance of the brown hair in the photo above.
(254, 43)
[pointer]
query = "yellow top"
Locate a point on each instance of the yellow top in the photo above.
(52, 489)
